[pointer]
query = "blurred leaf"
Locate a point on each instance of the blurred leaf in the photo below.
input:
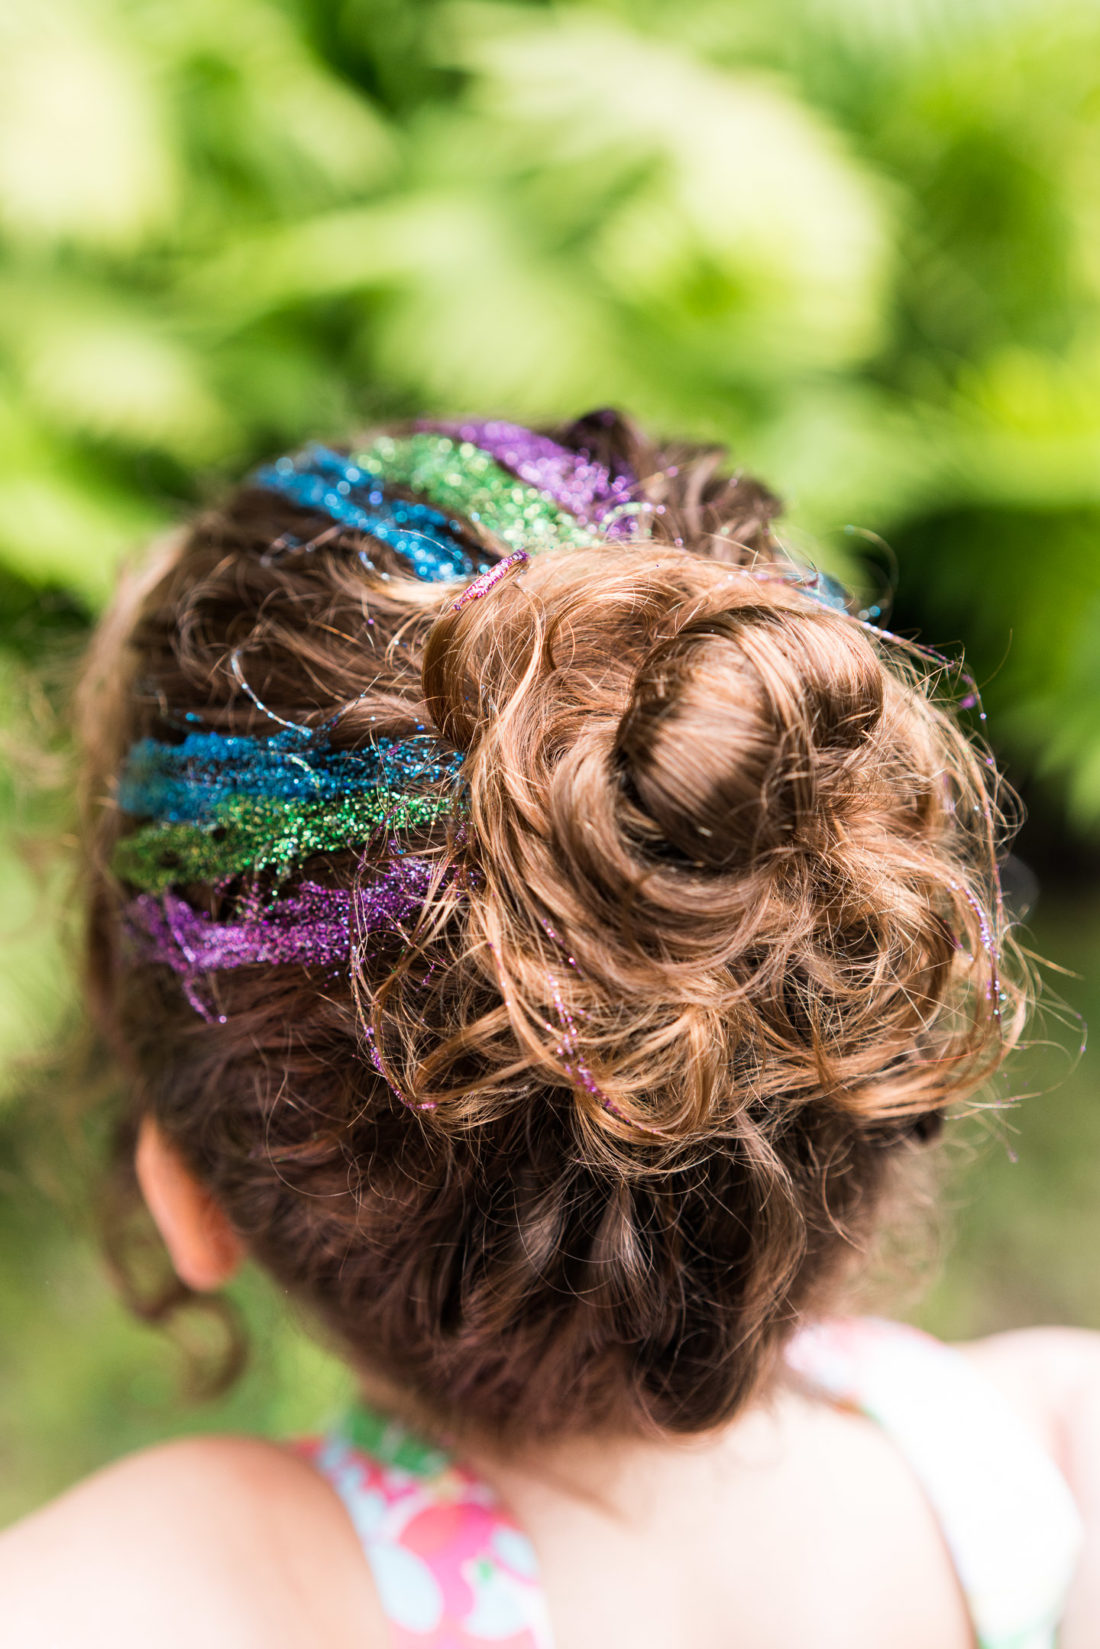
(750, 216)
(62, 520)
(36, 988)
(84, 153)
(260, 109)
(108, 371)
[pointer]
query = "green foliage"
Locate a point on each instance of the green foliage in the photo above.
(859, 242)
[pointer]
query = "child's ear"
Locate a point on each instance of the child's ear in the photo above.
(205, 1249)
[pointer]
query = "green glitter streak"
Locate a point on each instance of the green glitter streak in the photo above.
(250, 833)
(458, 477)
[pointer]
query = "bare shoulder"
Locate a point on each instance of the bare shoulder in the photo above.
(1053, 1375)
(219, 1540)
(1049, 1374)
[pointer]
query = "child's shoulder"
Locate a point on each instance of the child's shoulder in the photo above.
(1052, 1375)
(227, 1541)
(235, 1542)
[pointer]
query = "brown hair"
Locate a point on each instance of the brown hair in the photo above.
(728, 949)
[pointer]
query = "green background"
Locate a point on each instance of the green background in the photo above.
(859, 242)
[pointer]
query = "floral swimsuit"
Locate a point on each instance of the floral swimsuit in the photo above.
(454, 1571)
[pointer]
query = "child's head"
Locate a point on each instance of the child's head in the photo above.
(545, 984)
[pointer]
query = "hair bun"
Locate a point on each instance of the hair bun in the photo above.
(658, 1110)
(737, 720)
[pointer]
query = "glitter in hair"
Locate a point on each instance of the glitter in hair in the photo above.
(590, 492)
(352, 494)
(250, 833)
(188, 781)
(488, 581)
(313, 926)
(458, 477)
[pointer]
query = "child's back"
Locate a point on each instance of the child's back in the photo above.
(551, 979)
(800, 1523)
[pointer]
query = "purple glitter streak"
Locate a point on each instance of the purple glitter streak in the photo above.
(989, 945)
(487, 581)
(588, 490)
(313, 926)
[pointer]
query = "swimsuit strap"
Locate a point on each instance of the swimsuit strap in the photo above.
(452, 1568)
(1004, 1508)
(454, 1571)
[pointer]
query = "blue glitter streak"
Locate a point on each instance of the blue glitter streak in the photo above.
(323, 480)
(185, 783)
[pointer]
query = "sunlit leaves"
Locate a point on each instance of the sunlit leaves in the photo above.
(85, 155)
(744, 217)
(859, 241)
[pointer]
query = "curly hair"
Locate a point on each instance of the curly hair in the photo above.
(579, 1148)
